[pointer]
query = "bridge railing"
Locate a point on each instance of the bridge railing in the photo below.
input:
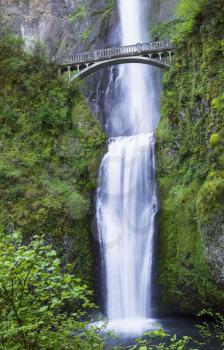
(99, 55)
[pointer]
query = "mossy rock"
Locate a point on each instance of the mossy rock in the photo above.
(210, 198)
(190, 164)
(214, 140)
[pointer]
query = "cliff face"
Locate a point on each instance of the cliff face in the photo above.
(72, 24)
(65, 26)
(62, 24)
(190, 166)
(163, 10)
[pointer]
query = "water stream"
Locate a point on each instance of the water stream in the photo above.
(126, 197)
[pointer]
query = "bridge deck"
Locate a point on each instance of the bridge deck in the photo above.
(116, 52)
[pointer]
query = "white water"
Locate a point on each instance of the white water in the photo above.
(126, 200)
(134, 111)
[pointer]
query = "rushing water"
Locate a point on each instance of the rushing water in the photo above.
(126, 200)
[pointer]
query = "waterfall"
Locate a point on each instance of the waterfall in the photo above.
(126, 196)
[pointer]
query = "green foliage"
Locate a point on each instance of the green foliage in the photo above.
(50, 150)
(212, 331)
(214, 140)
(164, 341)
(190, 164)
(79, 13)
(188, 12)
(86, 33)
(164, 30)
(217, 103)
(106, 10)
(41, 307)
(109, 8)
(94, 22)
(82, 11)
(210, 198)
(207, 333)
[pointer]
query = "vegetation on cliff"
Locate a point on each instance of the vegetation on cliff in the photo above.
(96, 18)
(190, 163)
(50, 148)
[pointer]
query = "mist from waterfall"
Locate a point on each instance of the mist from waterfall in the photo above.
(126, 197)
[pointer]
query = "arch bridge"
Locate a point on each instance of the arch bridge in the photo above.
(81, 65)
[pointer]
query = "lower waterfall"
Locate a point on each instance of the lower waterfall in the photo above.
(126, 208)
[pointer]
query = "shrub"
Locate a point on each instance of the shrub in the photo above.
(40, 306)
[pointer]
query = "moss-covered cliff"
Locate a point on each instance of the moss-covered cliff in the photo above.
(190, 162)
(50, 151)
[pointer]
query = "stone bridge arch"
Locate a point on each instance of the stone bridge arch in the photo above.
(158, 54)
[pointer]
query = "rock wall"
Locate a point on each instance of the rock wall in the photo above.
(62, 24)
(163, 10)
(72, 24)
(190, 166)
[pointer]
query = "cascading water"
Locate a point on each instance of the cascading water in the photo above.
(126, 200)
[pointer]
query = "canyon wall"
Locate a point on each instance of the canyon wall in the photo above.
(190, 166)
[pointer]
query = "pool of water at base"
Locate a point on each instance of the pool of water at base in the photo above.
(172, 324)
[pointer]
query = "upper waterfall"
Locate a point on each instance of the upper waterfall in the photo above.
(135, 109)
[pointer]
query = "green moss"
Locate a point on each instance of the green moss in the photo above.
(214, 140)
(210, 198)
(50, 151)
(190, 167)
(106, 10)
(86, 33)
(78, 14)
(183, 271)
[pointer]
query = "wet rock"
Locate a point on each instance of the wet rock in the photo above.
(162, 10)
(213, 238)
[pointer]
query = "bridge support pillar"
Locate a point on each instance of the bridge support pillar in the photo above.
(139, 48)
(69, 71)
(170, 55)
(78, 70)
(160, 56)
